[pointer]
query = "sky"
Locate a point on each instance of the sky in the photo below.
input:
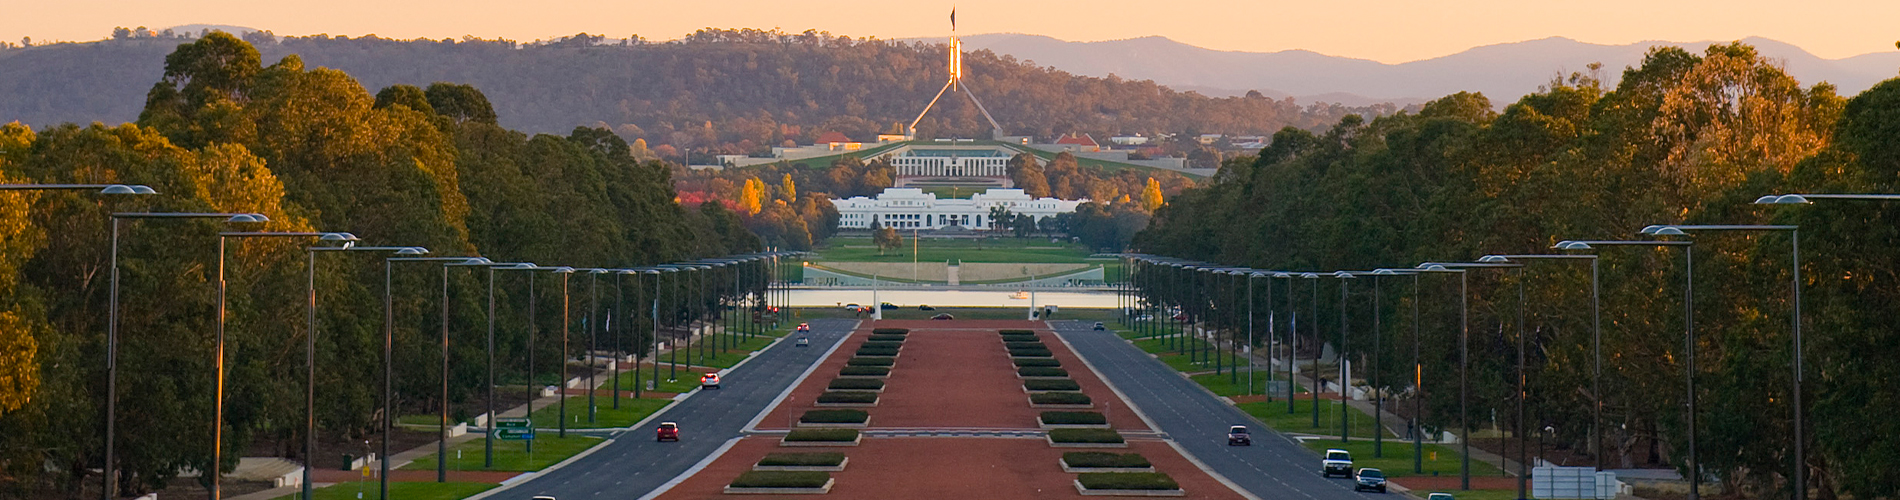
(1390, 31)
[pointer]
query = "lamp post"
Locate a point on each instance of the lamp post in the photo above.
(112, 307)
(310, 353)
(1345, 283)
(593, 340)
(1418, 377)
(389, 409)
(1318, 351)
(488, 438)
(1688, 321)
(567, 326)
(1378, 334)
(1464, 336)
(1596, 343)
(1250, 358)
(1292, 336)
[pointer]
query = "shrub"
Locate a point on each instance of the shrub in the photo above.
(865, 371)
(1021, 338)
(848, 397)
(875, 361)
(890, 331)
(834, 417)
(1059, 398)
(1127, 481)
(1016, 332)
(855, 383)
(1073, 418)
(1024, 345)
(781, 479)
(886, 338)
(1031, 353)
(833, 434)
(1024, 362)
(1041, 371)
(1052, 385)
(1094, 459)
(881, 345)
(1083, 436)
(878, 353)
(823, 459)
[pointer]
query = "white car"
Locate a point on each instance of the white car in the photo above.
(803, 342)
(709, 381)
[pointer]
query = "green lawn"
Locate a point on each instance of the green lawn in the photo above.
(1439, 459)
(510, 455)
(1301, 421)
(371, 490)
(1471, 494)
(687, 380)
(1006, 249)
(631, 411)
(1228, 384)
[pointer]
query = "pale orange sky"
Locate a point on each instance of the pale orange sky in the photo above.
(1383, 30)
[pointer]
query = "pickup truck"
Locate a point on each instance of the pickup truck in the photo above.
(1337, 462)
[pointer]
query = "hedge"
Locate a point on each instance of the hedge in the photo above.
(822, 459)
(1051, 385)
(1083, 436)
(890, 331)
(876, 351)
(781, 479)
(872, 361)
(882, 345)
(865, 371)
(855, 383)
(834, 417)
(1024, 345)
(1031, 353)
(1023, 362)
(1059, 398)
(1041, 371)
(1021, 338)
(828, 434)
(848, 397)
(886, 338)
(1073, 418)
(1093, 459)
(1127, 481)
(1016, 332)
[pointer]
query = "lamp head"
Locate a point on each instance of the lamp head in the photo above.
(343, 237)
(1282, 275)
(477, 261)
(562, 270)
(125, 189)
(412, 251)
(1385, 272)
(1309, 275)
(1436, 268)
(1786, 199)
(1670, 231)
(1494, 259)
(1572, 245)
(518, 266)
(1344, 275)
(248, 218)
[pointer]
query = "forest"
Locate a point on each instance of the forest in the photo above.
(711, 92)
(1684, 138)
(312, 149)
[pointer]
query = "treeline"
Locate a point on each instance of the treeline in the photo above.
(313, 150)
(712, 92)
(1683, 138)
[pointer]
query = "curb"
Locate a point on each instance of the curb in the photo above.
(690, 471)
(754, 424)
(524, 477)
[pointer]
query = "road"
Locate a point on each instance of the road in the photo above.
(635, 464)
(1275, 467)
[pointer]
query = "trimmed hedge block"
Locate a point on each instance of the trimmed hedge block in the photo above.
(848, 397)
(1024, 345)
(1098, 459)
(1073, 418)
(1031, 353)
(881, 345)
(1051, 385)
(1041, 371)
(1016, 332)
(1060, 398)
(820, 459)
(876, 351)
(877, 337)
(1027, 362)
(871, 361)
(1088, 436)
(890, 331)
(864, 371)
(864, 384)
(834, 417)
(833, 435)
(781, 479)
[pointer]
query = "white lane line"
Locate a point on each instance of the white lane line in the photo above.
(693, 470)
(1111, 385)
(754, 423)
(531, 475)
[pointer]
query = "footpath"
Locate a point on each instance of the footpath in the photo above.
(942, 409)
(463, 482)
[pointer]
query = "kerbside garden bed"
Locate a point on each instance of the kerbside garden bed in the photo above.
(880, 337)
(780, 483)
(1041, 372)
(1060, 401)
(856, 384)
(1072, 420)
(803, 462)
(822, 437)
(1086, 438)
(864, 371)
(890, 331)
(849, 419)
(1127, 484)
(847, 399)
(1036, 362)
(1076, 462)
(884, 361)
(1033, 386)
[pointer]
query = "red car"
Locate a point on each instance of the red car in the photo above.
(804, 328)
(668, 432)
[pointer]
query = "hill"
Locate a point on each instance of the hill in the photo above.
(1504, 72)
(712, 92)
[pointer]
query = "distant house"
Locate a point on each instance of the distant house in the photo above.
(1128, 140)
(837, 141)
(1208, 139)
(1082, 143)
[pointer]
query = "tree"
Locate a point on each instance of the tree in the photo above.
(788, 190)
(886, 238)
(752, 199)
(406, 95)
(460, 102)
(1027, 173)
(1151, 195)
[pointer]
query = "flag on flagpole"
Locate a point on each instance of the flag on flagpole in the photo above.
(953, 19)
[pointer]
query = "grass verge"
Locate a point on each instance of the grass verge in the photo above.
(355, 490)
(1085, 436)
(631, 411)
(1439, 460)
(510, 455)
(802, 459)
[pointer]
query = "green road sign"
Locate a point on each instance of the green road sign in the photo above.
(514, 429)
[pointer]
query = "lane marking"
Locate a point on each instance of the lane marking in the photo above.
(691, 470)
(525, 477)
(753, 425)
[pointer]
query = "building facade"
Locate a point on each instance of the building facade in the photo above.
(912, 208)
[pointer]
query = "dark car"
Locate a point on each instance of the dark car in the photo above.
(1369, 479)
(668, 431)
(1238, 436)
(943, 316)
(926, 307)
(887, 306)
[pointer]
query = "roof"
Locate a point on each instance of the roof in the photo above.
(832, 137)
(1083, 140)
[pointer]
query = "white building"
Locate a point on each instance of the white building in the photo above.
(951, 162)
(912, 208)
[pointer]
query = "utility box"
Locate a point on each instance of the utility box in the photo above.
(1572, 482)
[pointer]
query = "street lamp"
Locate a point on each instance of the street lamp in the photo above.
(567, 324)
(1378, 355)
(112, 328)
(389, 345)
(1688, 327)
(310, 352)
(593, 344)
(1464, 339)
(1417, 426)
(1596, 342)
(1345, 376)
(1317, 351)
(102, 189)
(488, 438)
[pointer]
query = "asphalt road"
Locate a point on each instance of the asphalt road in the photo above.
(634, 464)
(1275, 467)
